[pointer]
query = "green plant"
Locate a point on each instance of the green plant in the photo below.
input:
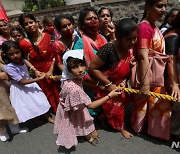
(34, 5)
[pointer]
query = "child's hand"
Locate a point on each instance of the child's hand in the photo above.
(116, 92)
(41, 76)
(38, 73)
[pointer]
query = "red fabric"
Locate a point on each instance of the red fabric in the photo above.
(3, 14)
(59, 49)
(145, 33)
(89, 44)
(42, 62)
(113, 110)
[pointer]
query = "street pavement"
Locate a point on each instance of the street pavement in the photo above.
(41, 140)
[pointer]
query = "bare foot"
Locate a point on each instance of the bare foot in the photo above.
(51, 120)
(126, 134)
(95, 134)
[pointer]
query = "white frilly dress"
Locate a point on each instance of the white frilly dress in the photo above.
(28, 100)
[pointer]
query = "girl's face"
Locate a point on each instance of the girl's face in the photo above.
(30, 25)
(105, 17)
(91, 23)
(14, 55)
(17, 36)
(78, 71)
(157, 10)
(67, 28)
(127, 42)
(4, 27)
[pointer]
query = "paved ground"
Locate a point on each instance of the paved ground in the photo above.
(41, 140)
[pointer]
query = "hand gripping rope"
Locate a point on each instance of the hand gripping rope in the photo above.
(130, 90)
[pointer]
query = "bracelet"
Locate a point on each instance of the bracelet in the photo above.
(107, 85)
(109, 96)
(97, 83)
(31, 67)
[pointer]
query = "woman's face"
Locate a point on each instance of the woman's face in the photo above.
(30, 25)
(17, 36)
(157, 10)
(4, 27)
(91, 23)
(67, 28)
(105, 17)
(127, 42)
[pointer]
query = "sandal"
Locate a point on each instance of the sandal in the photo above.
(90, 139)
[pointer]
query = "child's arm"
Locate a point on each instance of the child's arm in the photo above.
(29, 65)
(100, 101)
(25, 81)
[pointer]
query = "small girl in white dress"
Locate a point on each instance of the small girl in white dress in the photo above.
(72, 117)
(26, 96)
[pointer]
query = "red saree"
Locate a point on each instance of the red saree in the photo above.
(42, 62)
(113, 110)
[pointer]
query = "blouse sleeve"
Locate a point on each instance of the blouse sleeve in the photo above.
(172, 45)
(145, 33)
(59, 49)
(24, 46)
(12, 72)
(103, 53)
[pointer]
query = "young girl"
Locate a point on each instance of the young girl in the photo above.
(72, 117)
(26, 97)
(7, 113)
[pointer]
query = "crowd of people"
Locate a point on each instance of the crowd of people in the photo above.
(78, 73)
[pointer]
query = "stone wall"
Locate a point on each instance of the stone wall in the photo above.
(120, 8)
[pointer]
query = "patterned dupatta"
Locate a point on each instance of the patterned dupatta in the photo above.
(89, 44)
(156, 43)
(122, 70)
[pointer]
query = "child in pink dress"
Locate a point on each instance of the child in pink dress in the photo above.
(72, 117)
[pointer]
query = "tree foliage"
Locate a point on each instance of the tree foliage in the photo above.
(34, 5)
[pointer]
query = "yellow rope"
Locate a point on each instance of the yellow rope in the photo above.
(129, 90)
(161, 96)
(51, 76)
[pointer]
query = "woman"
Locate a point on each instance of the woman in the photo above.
(38, 47)
(172, 43)
(111, 67)
(168, 20)
(65, 26)
(156, 111)
(106, 27)
(90, 42)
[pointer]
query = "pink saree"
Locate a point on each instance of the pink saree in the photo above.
(154, 112)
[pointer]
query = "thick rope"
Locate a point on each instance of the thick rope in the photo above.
(130, 90)
(161, 96)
